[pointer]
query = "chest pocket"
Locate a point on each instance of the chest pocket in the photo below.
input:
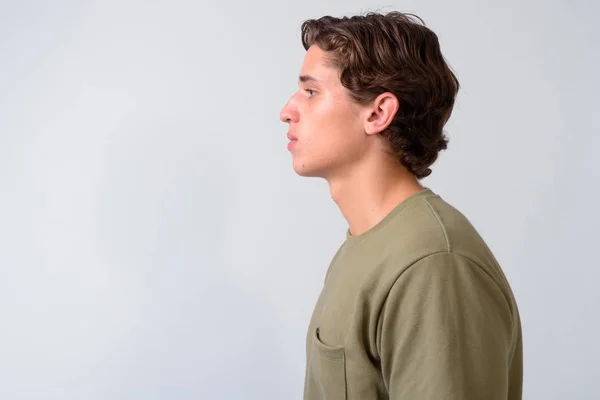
(327, 370)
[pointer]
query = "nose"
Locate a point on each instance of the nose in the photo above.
(288, 113)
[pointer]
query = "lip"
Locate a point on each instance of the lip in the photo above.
(291, 143)
(291, 136)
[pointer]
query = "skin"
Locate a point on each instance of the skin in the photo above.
(338, 140)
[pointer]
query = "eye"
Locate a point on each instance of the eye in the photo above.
(310, 92)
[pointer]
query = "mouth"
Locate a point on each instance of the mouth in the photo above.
(292, 140)
(292, 143)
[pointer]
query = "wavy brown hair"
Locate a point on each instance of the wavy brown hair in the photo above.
(394, 52)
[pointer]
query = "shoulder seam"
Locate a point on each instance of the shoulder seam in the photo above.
(442, 227)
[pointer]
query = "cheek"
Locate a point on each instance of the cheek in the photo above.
(332, 126)
(334, 141)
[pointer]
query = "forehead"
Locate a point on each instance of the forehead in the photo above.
(317, 65)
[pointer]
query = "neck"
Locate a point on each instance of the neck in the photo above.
(370, 192)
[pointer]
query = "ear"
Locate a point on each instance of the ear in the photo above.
(381, 113)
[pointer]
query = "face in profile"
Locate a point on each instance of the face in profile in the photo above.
(325, 124)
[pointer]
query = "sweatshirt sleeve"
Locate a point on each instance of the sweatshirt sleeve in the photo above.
(445, 332)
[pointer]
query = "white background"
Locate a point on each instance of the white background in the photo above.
(155, 242)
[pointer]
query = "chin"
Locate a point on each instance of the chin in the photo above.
(308, 171)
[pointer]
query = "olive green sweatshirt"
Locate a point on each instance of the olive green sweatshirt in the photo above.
(415, 308)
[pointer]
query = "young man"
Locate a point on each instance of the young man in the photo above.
(414, 304)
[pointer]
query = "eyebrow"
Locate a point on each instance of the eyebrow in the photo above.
(308, 78)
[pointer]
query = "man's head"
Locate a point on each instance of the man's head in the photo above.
(370, 86)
